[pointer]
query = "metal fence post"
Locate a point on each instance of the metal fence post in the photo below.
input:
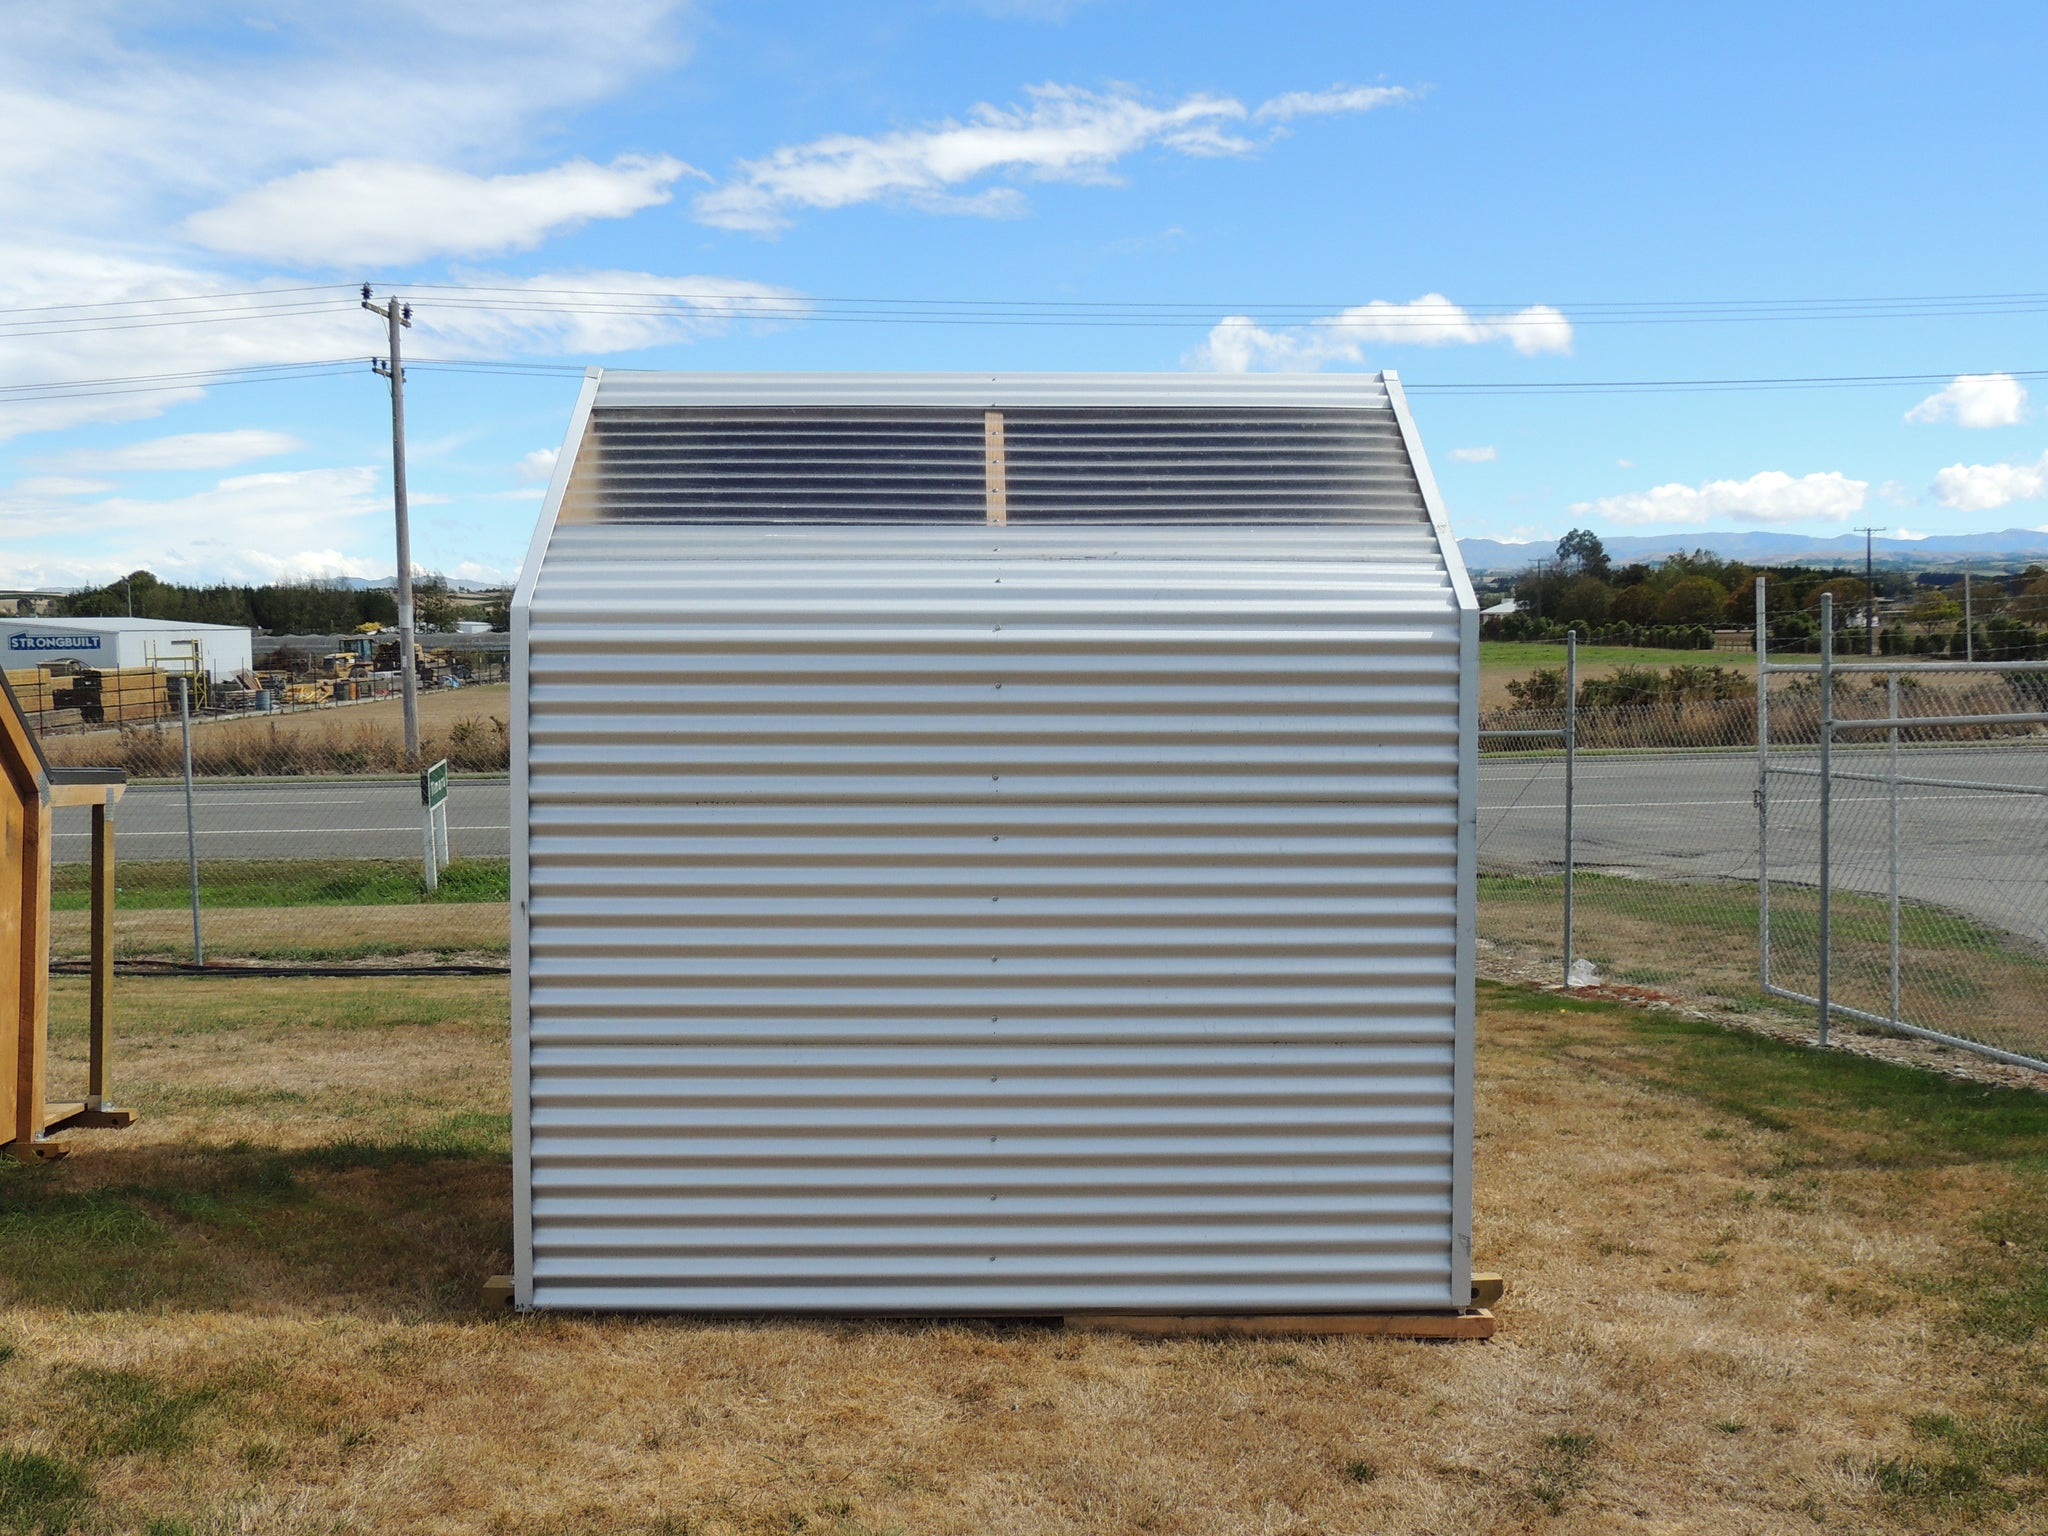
(1892, 785)
(191, 824)
(1827, 742)
(1571, 752)
(1763, 793)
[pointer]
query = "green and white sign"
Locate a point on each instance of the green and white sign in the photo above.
(434, 796)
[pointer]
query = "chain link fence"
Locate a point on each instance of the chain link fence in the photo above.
(1907, 849)
(1937, 850)
(1912, 896)
(294, 812)
(1660, 873)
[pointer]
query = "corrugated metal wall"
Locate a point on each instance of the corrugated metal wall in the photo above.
(965, 919)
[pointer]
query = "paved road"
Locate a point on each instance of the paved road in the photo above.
(312, 819)
(1693, 816)
(1657, 815)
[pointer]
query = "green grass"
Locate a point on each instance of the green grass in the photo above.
(211, 1227)
(129, 1413)
(40, 1495)
(286, 883)
(1515, 656)
(277, 1011)
(1729, 907)
(1698, 940)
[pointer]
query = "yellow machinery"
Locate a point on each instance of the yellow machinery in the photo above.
(30, 790)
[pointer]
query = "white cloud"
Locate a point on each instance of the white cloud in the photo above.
(1474, 455)
(1239, 344)
(612, 312)
(37, 486)
(1907, 533)
(1063, 133)
(1341, 98)
(128, 124)
(538, 466)
(186, 450)
(1768, 498)
(615, 312)
(1986, 487)
(253, 527)
(1977, 400)
(369, 213)
(1626, 463)
(473, 570)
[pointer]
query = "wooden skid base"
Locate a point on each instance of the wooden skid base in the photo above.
(1473, 1323)
(58, 1117)
(497, 1295)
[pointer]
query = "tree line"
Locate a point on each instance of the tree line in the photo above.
(299, 608)
(1679, 601)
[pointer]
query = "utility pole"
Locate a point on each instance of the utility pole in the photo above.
(398, 314)
(1869, 595)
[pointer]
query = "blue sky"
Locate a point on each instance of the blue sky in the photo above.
(1468, 194)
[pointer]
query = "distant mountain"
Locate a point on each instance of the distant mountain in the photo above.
(1773, 548)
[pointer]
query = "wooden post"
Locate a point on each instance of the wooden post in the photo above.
(102, 1004)
(996, 471)
(33, 1010)
(14, 889)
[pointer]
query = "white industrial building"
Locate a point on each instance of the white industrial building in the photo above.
(103, 644)
(993, 844)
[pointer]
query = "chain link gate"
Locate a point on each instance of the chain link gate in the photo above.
(1902, 837)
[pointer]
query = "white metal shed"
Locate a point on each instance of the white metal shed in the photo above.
(993, 844)
(102, 643)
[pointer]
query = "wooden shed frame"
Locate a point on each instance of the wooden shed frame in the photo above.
(30, 791)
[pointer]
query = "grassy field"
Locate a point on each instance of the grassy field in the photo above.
(1752, 1288)
(1502, 660)
(439, 709)
(146, 886)
(304, 910)
(1698, 941)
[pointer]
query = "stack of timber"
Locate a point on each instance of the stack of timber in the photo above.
(75, 696)
(129, 695)
(46, 696)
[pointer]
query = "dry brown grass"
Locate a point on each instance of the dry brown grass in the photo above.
(468, 726)
(440, 708)
(253, 1312)
(297, 933)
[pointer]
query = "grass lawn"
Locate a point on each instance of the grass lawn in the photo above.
(161, 884)
(308, 910)
(1752, 1288)
(1698, 940)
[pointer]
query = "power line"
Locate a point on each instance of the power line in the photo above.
(179, 298)
(200, 378)
(1647, 386)
(260, 372)
(1164, 314)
